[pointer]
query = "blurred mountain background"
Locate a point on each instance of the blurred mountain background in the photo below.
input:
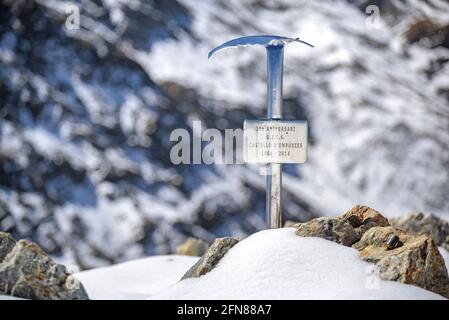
(86, 114)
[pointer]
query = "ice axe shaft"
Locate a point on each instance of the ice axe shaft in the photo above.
(275, 66)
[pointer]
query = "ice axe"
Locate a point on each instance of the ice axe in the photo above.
(275, 59)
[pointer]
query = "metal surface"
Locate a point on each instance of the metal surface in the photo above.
(263, 40)
(274, 195)
(275, 59)
(275, 141)
(275, 62)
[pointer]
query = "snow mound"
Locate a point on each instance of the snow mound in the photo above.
(277, 264)
(135, 279)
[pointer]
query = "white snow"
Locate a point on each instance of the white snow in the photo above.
(271, 264)
(2, 297)
(135, 279)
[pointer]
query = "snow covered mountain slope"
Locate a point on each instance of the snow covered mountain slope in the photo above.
(271, 264)
(86, 116)
(379, 125)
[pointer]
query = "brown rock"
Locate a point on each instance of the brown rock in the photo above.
(210, 259)
(364, 218)
(330, 229)
(192, 247)
(425, 28)
(397, 255)
(420, 223)
(415, 261)
(346, 229)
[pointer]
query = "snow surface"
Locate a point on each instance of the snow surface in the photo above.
(271, 264)
(135, 279)
(2, 297)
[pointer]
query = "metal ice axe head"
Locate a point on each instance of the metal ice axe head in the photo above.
(275, 59)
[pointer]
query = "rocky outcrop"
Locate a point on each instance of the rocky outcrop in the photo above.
(210, 259)
(362, 218)
(192, 247)
(26, 271)
(411, 259)
(345, 230)
(420, 223)
(329, 229)
(405, 256)
(7, 242)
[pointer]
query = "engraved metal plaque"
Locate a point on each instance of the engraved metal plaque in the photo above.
(275, 141)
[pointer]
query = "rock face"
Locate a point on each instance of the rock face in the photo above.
(397, 255)
(7, 242)
(419, 223)
(414, 259)
(192, 247)
(26, 271)
(329, 229)
(210, 259)
(362, 218)
(345, 230)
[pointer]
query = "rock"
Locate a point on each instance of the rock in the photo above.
(26, 271)
(362, 218)
(419, 223)
(192, 247)
(346, 229)
(7, 242)
(414, 259)
(330, 229)
(393, 242)
(210, 259)
(397, 255)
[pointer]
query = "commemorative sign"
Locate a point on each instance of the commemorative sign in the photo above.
(275, 141)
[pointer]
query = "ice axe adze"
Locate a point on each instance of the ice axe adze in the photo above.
(275, 58)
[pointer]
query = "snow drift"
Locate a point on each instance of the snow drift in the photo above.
(271, 264)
